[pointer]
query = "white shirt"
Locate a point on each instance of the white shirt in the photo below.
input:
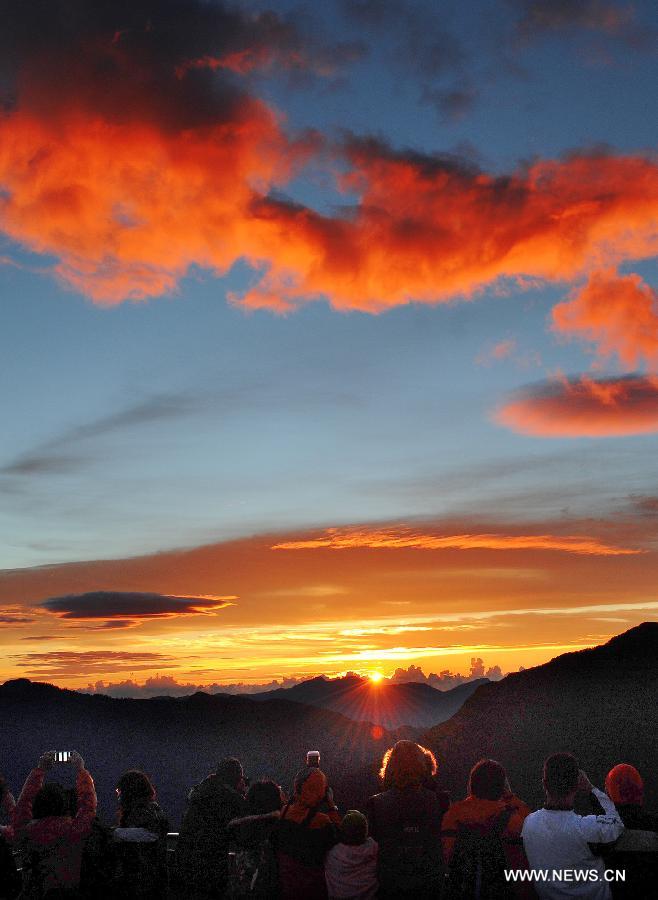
(558, 840)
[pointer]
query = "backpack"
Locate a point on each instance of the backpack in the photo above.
(477, 867)
(307, 845)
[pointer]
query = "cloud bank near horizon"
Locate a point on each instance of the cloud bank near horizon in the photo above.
(168, 685)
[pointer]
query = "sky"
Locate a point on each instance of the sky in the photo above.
(329, 337)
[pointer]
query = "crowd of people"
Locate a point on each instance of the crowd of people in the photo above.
(251, 840)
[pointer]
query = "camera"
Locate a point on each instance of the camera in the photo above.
(313, 759)
(63, 756)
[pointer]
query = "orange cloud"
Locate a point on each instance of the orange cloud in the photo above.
(584, 407)
(404, 538)
(128, 208)
(428, 229)
(618, 313)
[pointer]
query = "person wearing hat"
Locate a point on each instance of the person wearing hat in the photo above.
(350, 867)
(625, 787)
(304, 836)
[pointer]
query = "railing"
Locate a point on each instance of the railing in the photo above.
(631, 841)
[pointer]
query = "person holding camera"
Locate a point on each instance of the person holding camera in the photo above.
(51, 839)
(307, 830)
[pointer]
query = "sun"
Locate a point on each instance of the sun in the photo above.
(375, 677)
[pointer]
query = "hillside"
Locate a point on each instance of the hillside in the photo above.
(179, 740)
(601, 704)
(389, 705)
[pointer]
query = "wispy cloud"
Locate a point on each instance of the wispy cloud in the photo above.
(404, 538)
(63, 663)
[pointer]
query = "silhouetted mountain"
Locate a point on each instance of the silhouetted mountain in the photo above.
(601, 704)
(389, 705)
(179, 740)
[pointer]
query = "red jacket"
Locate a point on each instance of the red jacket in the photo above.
(53, 845)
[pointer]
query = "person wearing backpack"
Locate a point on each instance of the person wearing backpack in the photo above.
(252, 867)
(304, 835)
(481, 838)
(405, 821)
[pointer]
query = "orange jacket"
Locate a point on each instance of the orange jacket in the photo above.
(312, 794)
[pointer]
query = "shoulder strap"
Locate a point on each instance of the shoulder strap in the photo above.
(502, 821)
(309, 817)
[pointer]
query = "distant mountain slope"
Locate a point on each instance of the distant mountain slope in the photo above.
(601, 704)
(389, 705)
(179, 740)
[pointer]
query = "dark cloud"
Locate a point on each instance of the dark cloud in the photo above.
(608, 22)
(9, 619)
(57, 457)
(541, 16)
(417, 38)
(149, 60)
(452, 104)
(130, 605)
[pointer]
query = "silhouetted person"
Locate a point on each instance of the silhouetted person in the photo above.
(625, 787)
(253, 867)
(304, 836)
(52, 839)
(7, 804)
(557, 839)
(202, 851)
(481, 836)
(350, 867)
(141, 839)
(405, 820)
(10, 881)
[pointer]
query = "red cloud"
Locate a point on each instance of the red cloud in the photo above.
(128, 159)
(428, 230)
(128, 207)
(403, 538)
(584, 407)
(619, 313)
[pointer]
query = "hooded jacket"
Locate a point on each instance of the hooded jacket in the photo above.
(202, 849)
(304, 836)
(53, 845)
(351, 871)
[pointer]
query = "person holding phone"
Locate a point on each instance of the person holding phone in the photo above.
(51, 839)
